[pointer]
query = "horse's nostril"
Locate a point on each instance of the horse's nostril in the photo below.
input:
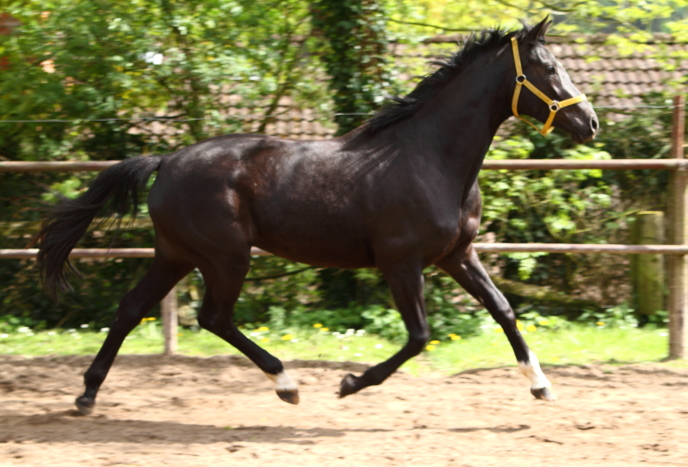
(594, 124)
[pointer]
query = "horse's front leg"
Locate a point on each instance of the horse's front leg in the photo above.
(406, 284)
(467, 270)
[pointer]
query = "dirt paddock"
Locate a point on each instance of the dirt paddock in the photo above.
(186, 411)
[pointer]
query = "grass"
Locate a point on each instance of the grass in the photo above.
(577, 344)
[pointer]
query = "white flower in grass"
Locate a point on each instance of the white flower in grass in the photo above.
(358, 355)
(379, 346)
(4, 336)
(104, 329)
(52, 333)
(71, 330)
(84, 326)
(23, 329)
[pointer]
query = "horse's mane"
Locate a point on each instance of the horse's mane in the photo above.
(476, 44)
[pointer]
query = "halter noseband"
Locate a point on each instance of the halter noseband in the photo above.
(554, 106)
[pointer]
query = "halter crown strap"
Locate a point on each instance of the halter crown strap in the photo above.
(554, 106)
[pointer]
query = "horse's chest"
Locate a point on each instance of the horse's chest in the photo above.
(450, 230)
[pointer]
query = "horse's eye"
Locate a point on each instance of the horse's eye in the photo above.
(550, 69)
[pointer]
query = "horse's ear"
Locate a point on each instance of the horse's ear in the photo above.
(539, 30)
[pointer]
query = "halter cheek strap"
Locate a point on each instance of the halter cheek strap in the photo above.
(554, 106)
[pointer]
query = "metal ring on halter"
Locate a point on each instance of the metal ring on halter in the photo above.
(554, 106)
(521, 79)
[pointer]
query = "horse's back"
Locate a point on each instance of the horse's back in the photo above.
(289, 197)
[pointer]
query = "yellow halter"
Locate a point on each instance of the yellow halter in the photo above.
(554, 106)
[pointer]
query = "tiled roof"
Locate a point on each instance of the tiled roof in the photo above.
(608, 76)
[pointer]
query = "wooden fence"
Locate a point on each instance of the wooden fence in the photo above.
(677, 216)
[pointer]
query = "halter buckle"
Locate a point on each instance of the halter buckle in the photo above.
(554, 106)
(521, 79)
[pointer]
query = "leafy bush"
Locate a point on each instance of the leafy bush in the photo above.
(9, 323)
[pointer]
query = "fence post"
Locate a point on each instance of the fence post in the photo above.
(168, 312)
(678, 264)
(647, 271)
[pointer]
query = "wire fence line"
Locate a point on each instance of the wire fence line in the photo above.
(253, 117)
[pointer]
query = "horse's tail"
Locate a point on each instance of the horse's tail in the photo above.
(115, 190)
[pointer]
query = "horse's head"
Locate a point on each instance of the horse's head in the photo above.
(544, 90)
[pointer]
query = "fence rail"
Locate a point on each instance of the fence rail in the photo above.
(97, 253)
(518, 164)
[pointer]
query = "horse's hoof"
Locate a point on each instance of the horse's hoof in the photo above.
(291, 396)
(546, 394)
(348, 386)
(85, 405)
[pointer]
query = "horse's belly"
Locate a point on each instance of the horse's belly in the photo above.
(317, 240)
(342, 254)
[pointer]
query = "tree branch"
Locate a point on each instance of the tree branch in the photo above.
(413, 23)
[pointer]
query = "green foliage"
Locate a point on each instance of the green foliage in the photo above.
(619, 316)
(385, 322)
(102, 59)
(545, 206)
(11, 323)
(623, 317)
(625, 19)
(103, 67)
(354, 57)
(548, 323)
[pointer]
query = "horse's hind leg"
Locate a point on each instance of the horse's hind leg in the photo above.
(156, 283)
(467, 270)
(406, 283)
(224, 278)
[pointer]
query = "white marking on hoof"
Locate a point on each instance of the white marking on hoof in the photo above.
(533, 372)
(283, 381)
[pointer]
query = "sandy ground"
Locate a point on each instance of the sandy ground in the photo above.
(184, 411)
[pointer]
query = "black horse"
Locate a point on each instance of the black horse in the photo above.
(399, 193)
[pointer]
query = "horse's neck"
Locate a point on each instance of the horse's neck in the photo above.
(457, 125)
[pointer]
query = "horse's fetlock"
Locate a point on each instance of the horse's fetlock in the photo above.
(274, 367)
(94, 377)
